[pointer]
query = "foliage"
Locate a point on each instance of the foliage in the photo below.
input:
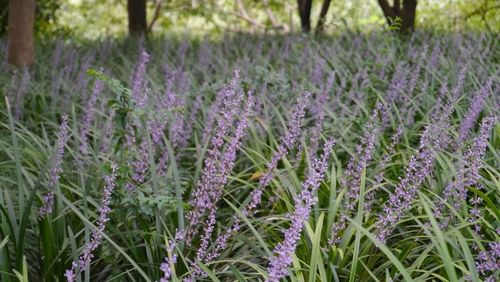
(163, 111)
(45, 17)
(94, 19)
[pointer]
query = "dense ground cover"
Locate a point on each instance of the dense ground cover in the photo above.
(354, 158)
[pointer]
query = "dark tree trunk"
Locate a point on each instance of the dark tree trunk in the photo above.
(136, 17)
(20, 46)
(322, 16)
(406, 13)
(305, 7)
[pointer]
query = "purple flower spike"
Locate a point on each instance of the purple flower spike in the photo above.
(474, 109)
(358, 162)
(284, 251)
(211, 177)
(88, 116)
(62, 137)
(434, 139)
(379, 177)
(21, 92)
(97, 234)
(468, 175)
(226, 165)
(288, 141)
(488, 262)
(169, 261)
(139, 82)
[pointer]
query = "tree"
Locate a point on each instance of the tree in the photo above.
(137, 25)
(305, 7)
(20, 33)
(322, 16)
(406, 13)
(45, 18)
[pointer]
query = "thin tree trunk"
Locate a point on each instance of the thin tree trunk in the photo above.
(322, 16)
(397, 7)
(305, 7)
(21, 21)
(136, 17)
(155, 15)
(406, 13)
(387, 10)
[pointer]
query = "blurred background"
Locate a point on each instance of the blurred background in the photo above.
(93, 19)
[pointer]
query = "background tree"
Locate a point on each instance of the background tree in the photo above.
(20, 48)
(46, 22)
(305, 7)
(406, 13)
(137, 25)
(322, 16)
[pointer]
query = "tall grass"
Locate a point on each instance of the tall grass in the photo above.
(207, 181)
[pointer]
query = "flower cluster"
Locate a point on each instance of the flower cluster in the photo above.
(379, 177)
(211, 177)
(472, 165)
(474, 109)
(139, 82)
(62, 137)
(358, 162)
(434, 139)
(88, 116)
(20, 93)
(288, 141)
(488, 262)
(283, 252)
(468, 174)
(226, 165)
(170, 260)
(97, 233)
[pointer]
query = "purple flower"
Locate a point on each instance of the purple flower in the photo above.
(215, 108)
(107, 133)
(455, 92)
(398, 83)
(288, 141)
(475, 108)
(62, 137)
(488, 262)
(434, 139)
(318, 111)
(88, 116)
(97, 233)
(170, 260)
(352, 179)
(211, 177)
(156, 127)
(81, 81)
(468, 174)
(226, 165)
(434, 59)
(472, 165)
(379, 177)
(20, 93)
(283, 252)
(159, 123)
(141, 163)
(139, 82)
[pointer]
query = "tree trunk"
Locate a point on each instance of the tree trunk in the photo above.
(322, 16)
(136, 17)
(305, 14)
(406, 14)
(20, 46)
